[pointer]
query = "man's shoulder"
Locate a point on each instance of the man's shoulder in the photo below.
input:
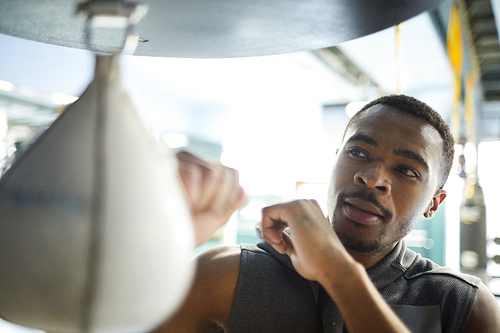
(419, 286)
(219, 253)
(263, 254)
(228, 259)
(209, 301)
(216, 264)
(421, 267)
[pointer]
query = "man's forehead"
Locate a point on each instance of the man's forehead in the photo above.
(389, 117)
(382, 111)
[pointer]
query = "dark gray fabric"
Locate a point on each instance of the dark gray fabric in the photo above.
(420, 318)
(272, 297)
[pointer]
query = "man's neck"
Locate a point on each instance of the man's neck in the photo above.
(370, 259)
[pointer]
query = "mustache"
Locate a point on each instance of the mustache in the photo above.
(369, 197)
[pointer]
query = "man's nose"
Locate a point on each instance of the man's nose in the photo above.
(376, 177)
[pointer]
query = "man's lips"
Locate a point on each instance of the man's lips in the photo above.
(364, 205)
(362, 211)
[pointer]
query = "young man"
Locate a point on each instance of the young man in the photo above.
(351, 271)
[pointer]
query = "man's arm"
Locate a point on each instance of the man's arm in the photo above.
(317, 254)
(214, 193)
(210, 299)
(485, 315)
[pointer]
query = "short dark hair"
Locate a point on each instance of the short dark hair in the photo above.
(420, 110)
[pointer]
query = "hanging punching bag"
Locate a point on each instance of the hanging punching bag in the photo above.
(95, 234)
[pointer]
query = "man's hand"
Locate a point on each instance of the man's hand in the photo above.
(213, 192)
(313, 247)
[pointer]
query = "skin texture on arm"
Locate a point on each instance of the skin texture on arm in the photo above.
(317, 254)
(211, 296)
(485, 315)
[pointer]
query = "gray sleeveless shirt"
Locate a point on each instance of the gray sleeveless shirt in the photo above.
(271, 297)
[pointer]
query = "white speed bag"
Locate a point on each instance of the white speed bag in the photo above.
(95, 232)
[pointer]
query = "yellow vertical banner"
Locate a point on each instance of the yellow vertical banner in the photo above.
(398, 59)
(455, 55)
(469, 117)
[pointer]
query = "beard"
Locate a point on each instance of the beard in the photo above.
(378, 244)
(356, 244)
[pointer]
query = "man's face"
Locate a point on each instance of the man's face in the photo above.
(384, 179)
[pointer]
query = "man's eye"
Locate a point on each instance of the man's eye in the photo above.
(408, 172)
(357, 152)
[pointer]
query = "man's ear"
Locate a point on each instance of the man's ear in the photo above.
(436, 200)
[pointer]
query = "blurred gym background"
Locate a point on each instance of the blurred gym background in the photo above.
(279, 119)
